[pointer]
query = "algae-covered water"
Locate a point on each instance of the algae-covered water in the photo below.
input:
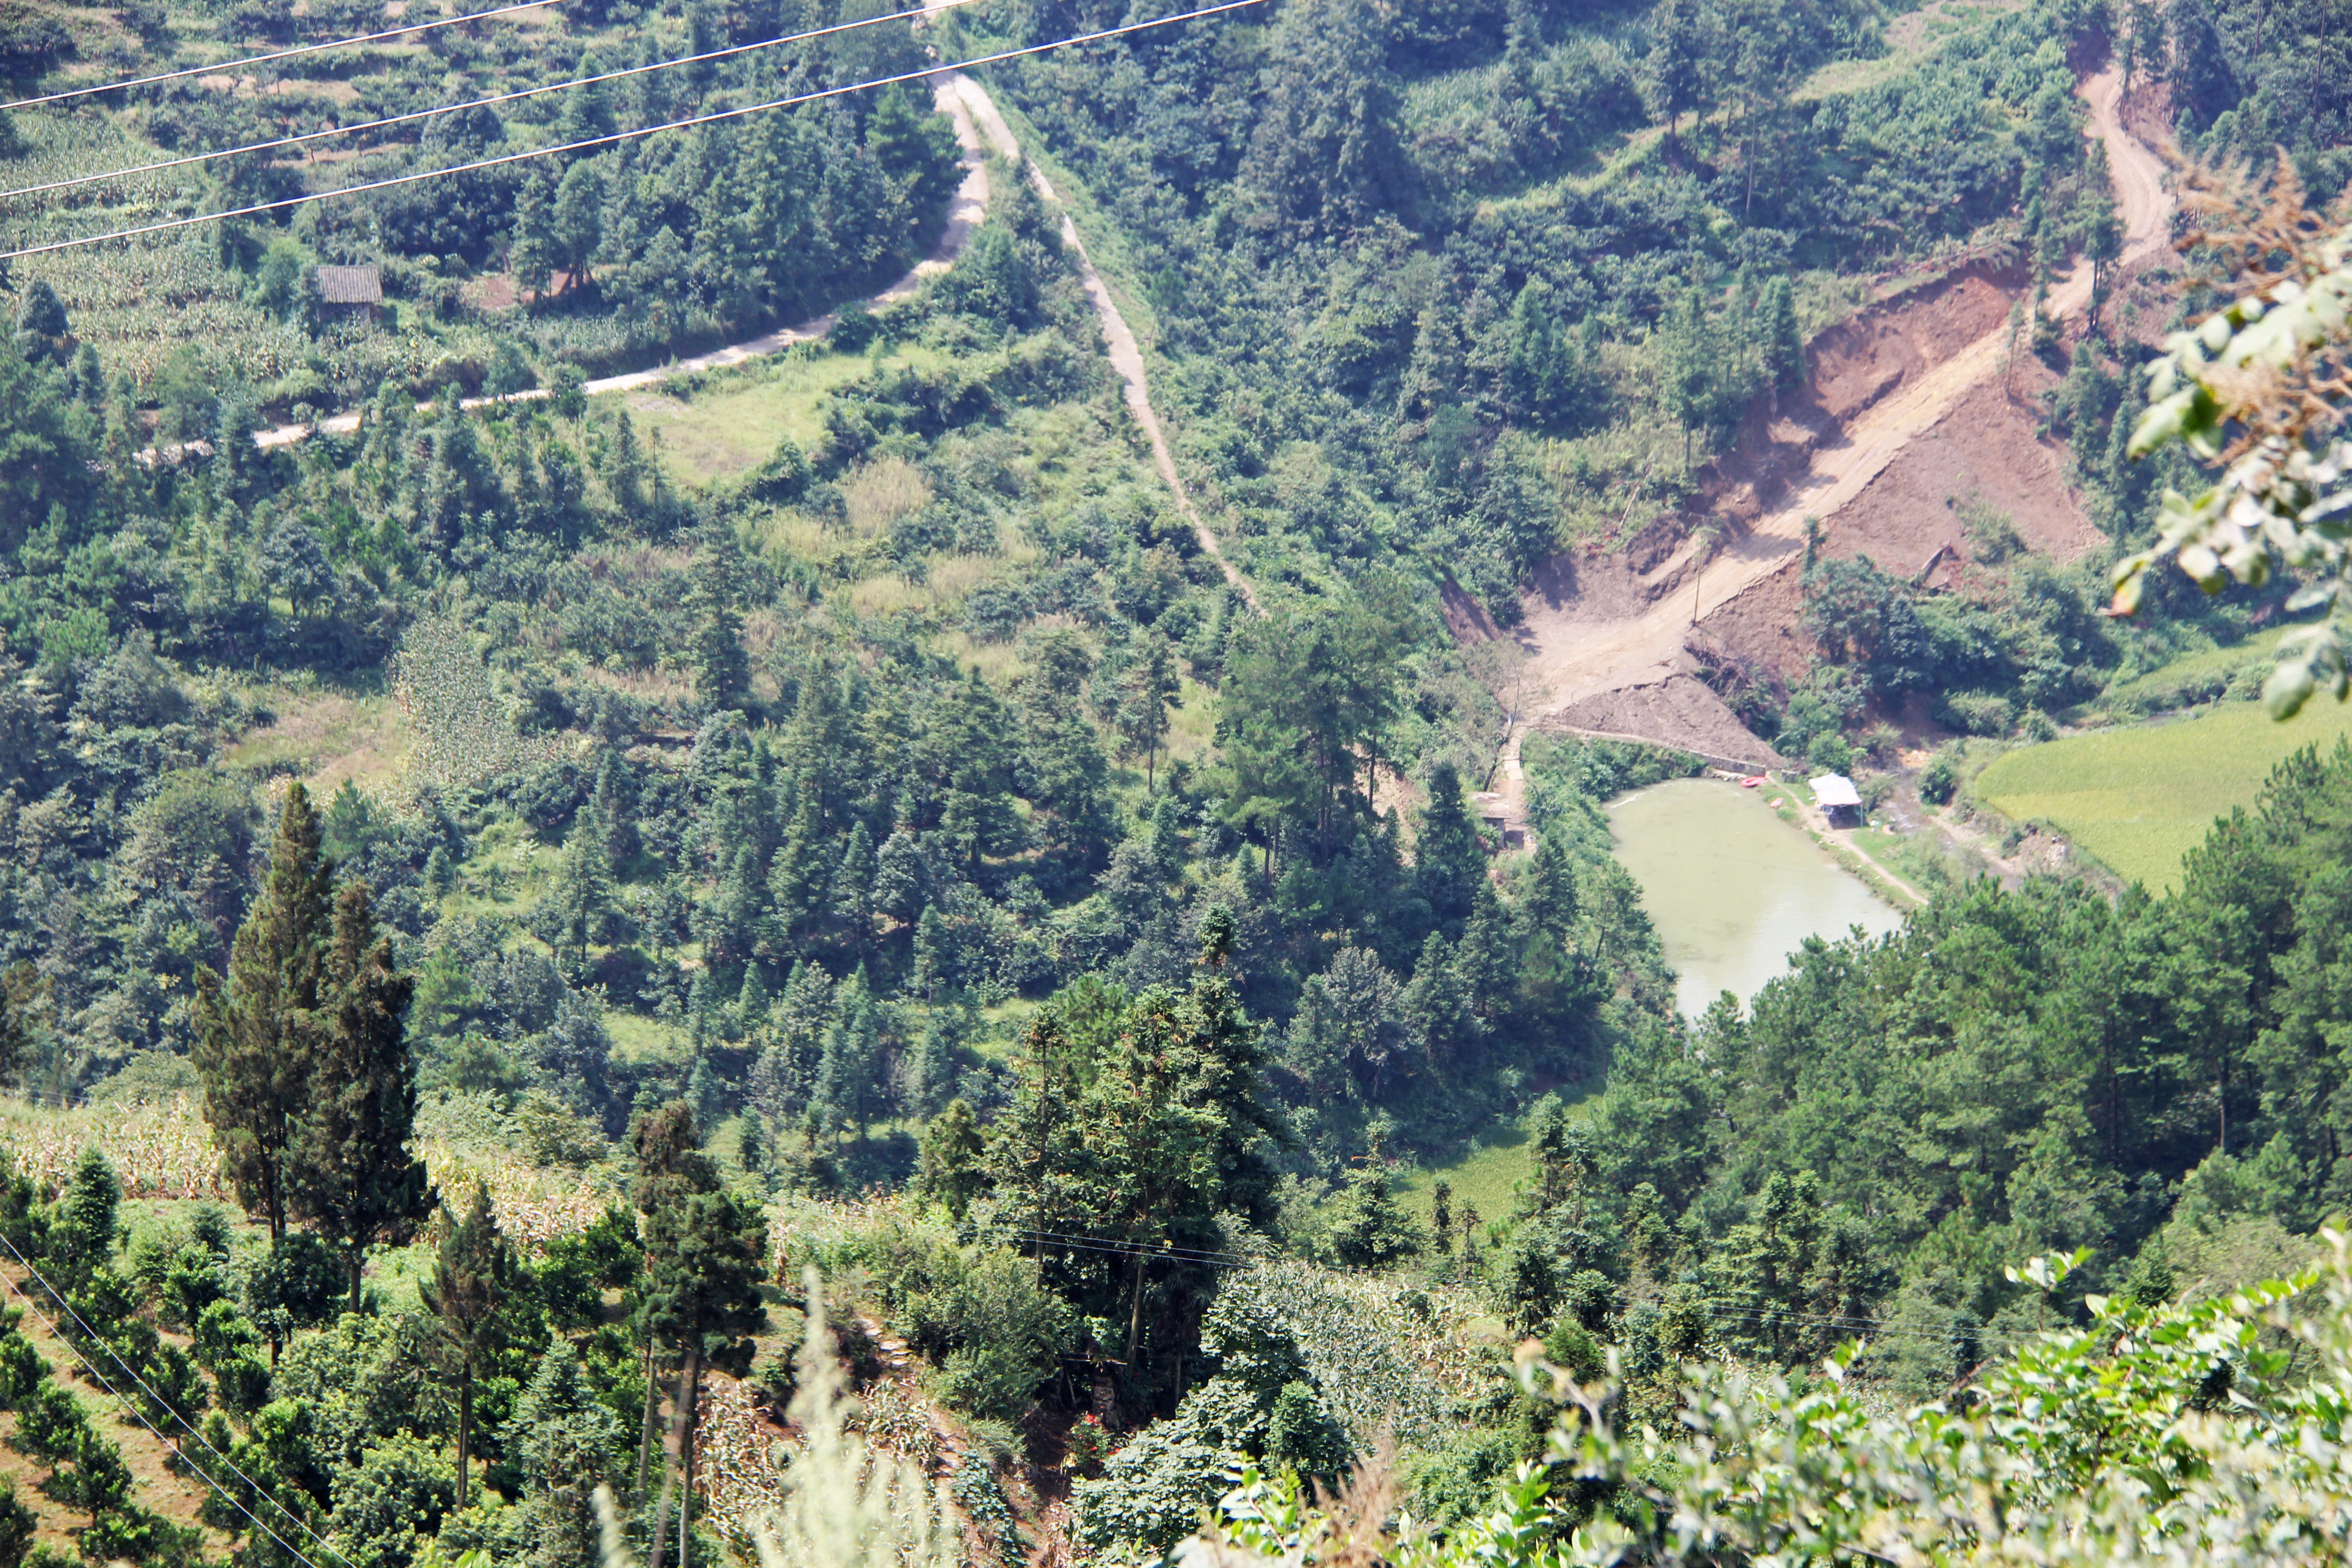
(1732, 889)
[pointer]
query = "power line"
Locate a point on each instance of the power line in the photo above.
(139, 1417)
(618, 137)
(413, 115)
(279, 55)
(1126, 1249)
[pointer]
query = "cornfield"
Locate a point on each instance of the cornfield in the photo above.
(534, 1206)
(897, 1422)
(160, 1151)
(463, 732)
(735, 1461)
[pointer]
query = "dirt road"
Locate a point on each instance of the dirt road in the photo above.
(951, 91)
(1126, 354)
(1575, 656)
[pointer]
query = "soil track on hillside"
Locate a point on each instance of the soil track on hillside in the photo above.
(950, 94)
(1871, 448)
(1126, 355)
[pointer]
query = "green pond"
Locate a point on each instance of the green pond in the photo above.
(1732, 889)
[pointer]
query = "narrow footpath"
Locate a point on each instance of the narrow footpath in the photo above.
(1125, 353)
(980, 128)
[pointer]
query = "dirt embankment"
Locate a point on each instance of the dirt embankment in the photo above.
(1919, 406)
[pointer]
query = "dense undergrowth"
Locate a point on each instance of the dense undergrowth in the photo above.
(893, 849)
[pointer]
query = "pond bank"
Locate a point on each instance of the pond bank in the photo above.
(1731, 890)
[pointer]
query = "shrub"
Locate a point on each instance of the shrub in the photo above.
(134, 1535)
(49, 1422)
(1939, 780)
(1151, 1491)
(95, 1481)
(993, 1325)
(17, 1523)
(1974, 712)
(22, 1370)
(1830, 752)
(392, 1500)
(1301, 1435)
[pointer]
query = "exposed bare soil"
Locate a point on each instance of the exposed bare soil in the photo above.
(1920, 400)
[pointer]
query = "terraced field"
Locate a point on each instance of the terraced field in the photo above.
(2138, 799)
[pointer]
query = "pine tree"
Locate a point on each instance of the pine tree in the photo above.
(1147, 687)
(530, 256)
(751, 1001)
(1689, 366)
(565, 1441)
(852, 894)
(1535, 375)
(951, 1170)
(42, 315)
(612, 807)
(933, 960)
(851, 1058)
(86, 1222)
(722, 670)
(1785, 341)
(670, 1169)
(578, 226)
(578, 913)
(800, 877)
(901, 878)
(1673, 74)
(1448, 860)
(348, 1169)
(473, 1276)
(250, 1047)
(707, 1258)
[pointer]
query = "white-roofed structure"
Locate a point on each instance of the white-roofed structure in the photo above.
(1839, 800)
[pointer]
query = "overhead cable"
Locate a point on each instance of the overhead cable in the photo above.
(363, 126)
(618, 137)
(131, 1408)
(279, 55)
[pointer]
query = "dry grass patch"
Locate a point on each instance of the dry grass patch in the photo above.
(953, 577)
(327, 737)
(996, 660)
(889, 591)
(877, 494)
(792, 534)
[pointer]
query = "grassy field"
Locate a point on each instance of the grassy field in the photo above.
(2140, 798)
(2194, 678)
(737, 421)
(1484, 1177)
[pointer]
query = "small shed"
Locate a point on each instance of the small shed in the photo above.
(350, 290)
(1839, 800)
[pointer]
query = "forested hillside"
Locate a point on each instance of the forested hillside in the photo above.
(517, 900)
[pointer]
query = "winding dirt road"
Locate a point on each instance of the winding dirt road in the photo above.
(952, 92)
(1574, 657)
(980, 127)
(1126, 355)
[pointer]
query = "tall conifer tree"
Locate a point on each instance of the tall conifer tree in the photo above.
(473, 1276)
(251, 1048)
(351, 1173)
